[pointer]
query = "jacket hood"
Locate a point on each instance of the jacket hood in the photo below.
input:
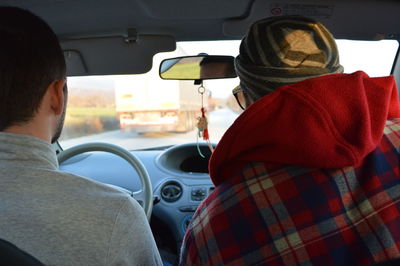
(331, 121)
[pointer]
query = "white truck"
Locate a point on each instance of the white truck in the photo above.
(146, 103)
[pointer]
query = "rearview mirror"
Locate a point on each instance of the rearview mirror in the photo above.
(198, 67)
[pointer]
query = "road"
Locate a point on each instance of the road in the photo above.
(219, 121)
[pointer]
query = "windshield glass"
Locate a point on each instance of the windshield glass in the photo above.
(144, 111)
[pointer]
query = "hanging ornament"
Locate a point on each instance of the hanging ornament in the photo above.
(202, 124)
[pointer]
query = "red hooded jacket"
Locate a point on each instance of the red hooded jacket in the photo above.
(308, 174)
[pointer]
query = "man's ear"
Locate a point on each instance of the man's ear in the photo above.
(57, 96)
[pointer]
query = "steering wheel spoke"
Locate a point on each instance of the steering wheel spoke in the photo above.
(139, 196)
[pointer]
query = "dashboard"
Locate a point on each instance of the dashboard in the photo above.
(179, 176)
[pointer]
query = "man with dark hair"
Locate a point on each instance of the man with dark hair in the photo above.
(31, 61)
(309, 173)
(59, 218)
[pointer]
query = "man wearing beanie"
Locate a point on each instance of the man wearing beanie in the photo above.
(309, 172)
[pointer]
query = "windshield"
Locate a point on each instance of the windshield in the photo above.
(144, 111)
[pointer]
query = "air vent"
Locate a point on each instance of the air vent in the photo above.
(171, 191)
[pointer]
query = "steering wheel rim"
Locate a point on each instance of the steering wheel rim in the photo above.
(121, 152)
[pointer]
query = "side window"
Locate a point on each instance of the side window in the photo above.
(373, 57)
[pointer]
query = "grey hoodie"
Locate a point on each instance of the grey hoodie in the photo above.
(64, 219)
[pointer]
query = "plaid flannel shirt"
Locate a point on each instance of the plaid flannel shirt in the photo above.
(291, 215)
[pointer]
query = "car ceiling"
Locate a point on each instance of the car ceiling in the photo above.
(104, 25)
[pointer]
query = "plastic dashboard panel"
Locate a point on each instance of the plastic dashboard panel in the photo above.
(164, 167)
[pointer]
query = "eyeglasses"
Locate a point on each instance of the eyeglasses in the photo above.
(239, 96)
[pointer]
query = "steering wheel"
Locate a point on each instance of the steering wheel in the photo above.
(145, 194)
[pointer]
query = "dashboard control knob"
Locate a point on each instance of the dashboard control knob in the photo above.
(198, 194)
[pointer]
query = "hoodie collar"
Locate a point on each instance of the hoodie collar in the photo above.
(26, 151)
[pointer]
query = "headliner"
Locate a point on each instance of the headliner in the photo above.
(104, 25)
(207, 19)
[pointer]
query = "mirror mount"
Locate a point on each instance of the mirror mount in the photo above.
(131, 36)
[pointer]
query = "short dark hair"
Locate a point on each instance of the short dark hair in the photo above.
(30, 60)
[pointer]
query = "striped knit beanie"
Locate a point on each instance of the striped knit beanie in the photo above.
(282, 50)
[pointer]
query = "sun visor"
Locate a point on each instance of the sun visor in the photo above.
(114, 55)
(237, 27)
(338, 16)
